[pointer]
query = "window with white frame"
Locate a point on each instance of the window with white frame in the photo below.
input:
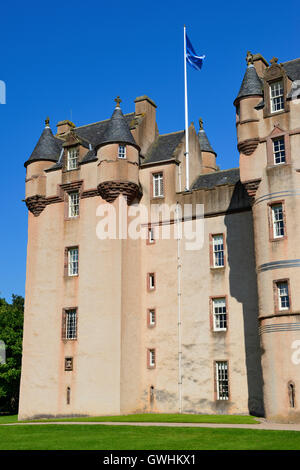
(72, 163)
(222, 380)
(73, 261)
(158, 184)
(219, 314)
(74, 204)
(151, 280)
(283, 295)
(70, 326)
(122, 151)
(152, 317)
(218, 251)
(279, 151)
(277, 220)
(276, 96)
(152, 357)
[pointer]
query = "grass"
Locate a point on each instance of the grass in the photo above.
(89, 437)
(155, 418)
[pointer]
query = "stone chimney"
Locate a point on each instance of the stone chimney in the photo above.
(146, 131)
(63, 127)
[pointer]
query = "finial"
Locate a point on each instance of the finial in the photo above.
(47, 121)
(201, 123)
(249, 58)
(274, 61)
(118, 101)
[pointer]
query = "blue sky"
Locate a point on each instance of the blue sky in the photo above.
(70, 60)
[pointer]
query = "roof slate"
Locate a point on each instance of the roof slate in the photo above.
(164, 147)
(292, 69)
(204, 142)
(96, 133)
(47, 148)
(251, 84)
(217, 178)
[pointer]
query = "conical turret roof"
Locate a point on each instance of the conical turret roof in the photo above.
(48, 147)
(251, 84)
(117, 129)
(203, 140)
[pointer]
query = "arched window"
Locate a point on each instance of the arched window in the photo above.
(291, 391)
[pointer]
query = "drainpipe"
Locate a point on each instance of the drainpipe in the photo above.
(179, 309)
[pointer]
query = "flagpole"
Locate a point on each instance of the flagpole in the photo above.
(187, 168)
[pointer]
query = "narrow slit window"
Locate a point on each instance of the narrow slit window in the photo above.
(151, 238)
(152, 358)
(151, 281)
(152, 317)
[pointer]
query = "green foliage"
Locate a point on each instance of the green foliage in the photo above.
(11, 331)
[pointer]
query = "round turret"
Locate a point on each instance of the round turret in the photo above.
(118, 153)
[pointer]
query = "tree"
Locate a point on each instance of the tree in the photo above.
(11, 332)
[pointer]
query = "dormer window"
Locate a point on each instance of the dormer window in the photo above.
(122, 151)
(72, 162)
(276, 96)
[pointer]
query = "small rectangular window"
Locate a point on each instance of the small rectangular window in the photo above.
(73, 261)
(68, 363)
(151, 281)
(151, 238)
(219, 314)
(158, 185)
(151, 357)
(218, 251)
(283, 295)
(151, 317)
(276, 96)
(72, 158)
(70, 324)
(122, 151)
(222, 380)
(74, 204)
(279, 151)
(277, 220)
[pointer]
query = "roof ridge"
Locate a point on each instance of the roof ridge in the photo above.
(98, 122)
(170, 133)
(288, 61)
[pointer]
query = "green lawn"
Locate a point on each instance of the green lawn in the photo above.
(157, 418)
(91, 437)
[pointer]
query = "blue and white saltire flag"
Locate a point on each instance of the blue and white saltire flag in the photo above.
(192, 58)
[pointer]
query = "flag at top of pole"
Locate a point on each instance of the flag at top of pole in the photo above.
(196, 62)
(192, 58)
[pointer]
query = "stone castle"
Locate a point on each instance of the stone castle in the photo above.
(122, 325)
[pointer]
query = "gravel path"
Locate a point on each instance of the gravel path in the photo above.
(263, 425)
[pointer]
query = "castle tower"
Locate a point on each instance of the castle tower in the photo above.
(268, 142)
(81, 310)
